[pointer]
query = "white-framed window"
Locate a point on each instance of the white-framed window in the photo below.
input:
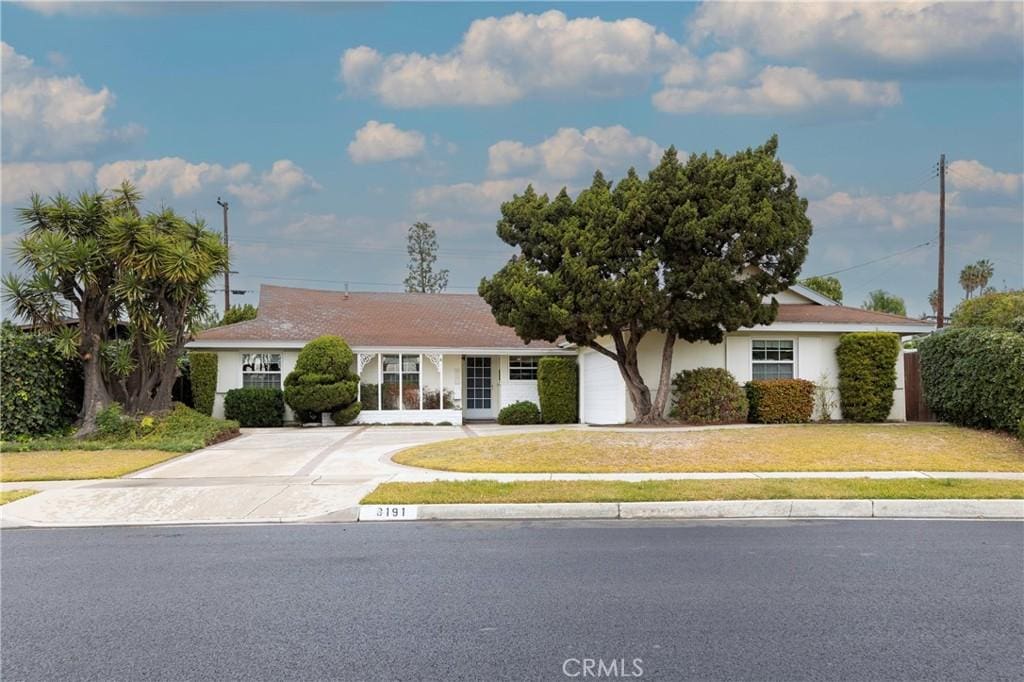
(522, 368)
(772, 359)
(261, 370)
(401, 376)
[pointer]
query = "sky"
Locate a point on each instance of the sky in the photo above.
(330, 128)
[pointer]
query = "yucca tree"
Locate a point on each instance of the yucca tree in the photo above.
(98, 260)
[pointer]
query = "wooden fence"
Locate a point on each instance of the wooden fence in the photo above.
(917, 410)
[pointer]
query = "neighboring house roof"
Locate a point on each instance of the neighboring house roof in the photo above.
(371, 320)
(831, 316)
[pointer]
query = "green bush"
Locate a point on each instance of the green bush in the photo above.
(975, 377)
(203, 375)
(112, 422)
(999, 309)
(1020, 429)
(37, 385)
(522, 412)
(867, 375)
(780, 401)
(707, 395)
(239, 313)
(255, 406)
(558, 390)
(323, 380)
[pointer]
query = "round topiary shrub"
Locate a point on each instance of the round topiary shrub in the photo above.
(522, 412)
(707, 395)
(323, 381)
(867, 375)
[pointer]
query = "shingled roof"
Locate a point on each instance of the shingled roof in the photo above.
(401, 320)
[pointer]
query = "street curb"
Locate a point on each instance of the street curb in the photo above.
(713, 509)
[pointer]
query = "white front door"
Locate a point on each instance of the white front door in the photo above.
(479, 403)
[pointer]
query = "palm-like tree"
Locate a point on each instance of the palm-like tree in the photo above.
(983, 273)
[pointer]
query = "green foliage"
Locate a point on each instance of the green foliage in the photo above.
(203, 375)
(670, 253)
(558, 389)
(707, 395)
(867, 375)
(422, 249)
(882, 301)
(323, 380)
(827, 286)
(975, 276)
(522, 412)
(1020, 429)
(239, 313)
(35, 385)
(346, 414)
(1000, 309)
(780, 401)
(974, 376)
(112, 422)
(255, 406)
(368, 396)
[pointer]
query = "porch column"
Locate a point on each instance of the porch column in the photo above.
(421, 381)
(380, 382)
(440, 382)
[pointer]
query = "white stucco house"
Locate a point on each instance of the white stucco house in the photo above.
(443, 358)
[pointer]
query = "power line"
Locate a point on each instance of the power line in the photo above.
(876, 260)
(343, 282)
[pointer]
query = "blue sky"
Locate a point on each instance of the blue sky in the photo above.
(330, 128)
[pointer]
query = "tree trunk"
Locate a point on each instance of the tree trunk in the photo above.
(665, 376)
(94, 396)
(163, 393)
(645, 411)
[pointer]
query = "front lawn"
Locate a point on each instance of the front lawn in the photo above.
(481, 492)
(805, 447)
(12, 495)
(69, 465)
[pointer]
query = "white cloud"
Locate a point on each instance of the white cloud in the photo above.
(781, 90)
(880, 33)
(503, 59)
(894, 212)
(974, 175)
(22, 179)
(284, 180)
(815, 185)
(173, 174)
(569, 153)
(47, 117)
(481, 198)
(376, 142)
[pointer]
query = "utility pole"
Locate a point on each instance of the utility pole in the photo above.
(940, 307)
(227, 271)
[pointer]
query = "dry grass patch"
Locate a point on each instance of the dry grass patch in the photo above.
(77, 464)
(12, 495)
(806, 447)
(481, 492)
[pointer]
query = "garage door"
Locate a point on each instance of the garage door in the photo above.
(604, 393)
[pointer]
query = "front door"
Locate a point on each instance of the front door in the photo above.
(478, 389)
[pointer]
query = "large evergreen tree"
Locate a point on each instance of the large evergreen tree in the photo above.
(422, 248)
(690, 251)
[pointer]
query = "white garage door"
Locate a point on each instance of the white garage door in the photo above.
(604, 393)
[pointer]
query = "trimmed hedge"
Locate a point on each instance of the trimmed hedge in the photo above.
(780, 401)
(36, 385)
(522, 412)
(558, 390)
(975, 377)
(323, 381)
(707, 395)
(867, 375)
(203, 375)
(255, 406)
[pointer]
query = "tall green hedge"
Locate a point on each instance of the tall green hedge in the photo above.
(975, 376)
(255, 406)
(35, 385)
(867, 374)
(203, 374)
(558, 390)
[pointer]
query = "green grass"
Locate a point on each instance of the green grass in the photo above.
(803, 447)
(480, 492)
(12, 495)
(181, 430)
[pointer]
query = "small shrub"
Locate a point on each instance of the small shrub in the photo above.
(867, 375)
(780, 401)
(255, 406)
(825, 403)
(112, 422)
(558, 390)
(707, 395)
(203, 375)
(346, 414)
(522, 412)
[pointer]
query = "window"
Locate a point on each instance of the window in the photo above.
(522, 368)
(401, 371)
(261, 370)
(772, 359)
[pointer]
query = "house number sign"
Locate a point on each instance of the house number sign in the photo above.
(387, 512)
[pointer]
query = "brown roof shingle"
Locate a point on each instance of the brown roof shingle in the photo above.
(840, 314)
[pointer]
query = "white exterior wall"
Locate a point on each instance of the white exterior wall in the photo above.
(229, 374)
(510, 391)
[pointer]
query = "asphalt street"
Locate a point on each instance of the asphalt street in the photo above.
(822, 600)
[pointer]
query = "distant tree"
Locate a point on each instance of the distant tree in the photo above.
(933, 301)
(422, 248)
(882, 301)
(690, 252)
(239, 313)
(827, 286)
(975, 276)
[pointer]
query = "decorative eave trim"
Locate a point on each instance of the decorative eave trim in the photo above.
(833, 327)
(296, 345)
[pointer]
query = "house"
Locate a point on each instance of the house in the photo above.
(432, 358)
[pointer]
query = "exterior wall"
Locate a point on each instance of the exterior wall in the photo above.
(510, 391)
(229, 374)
